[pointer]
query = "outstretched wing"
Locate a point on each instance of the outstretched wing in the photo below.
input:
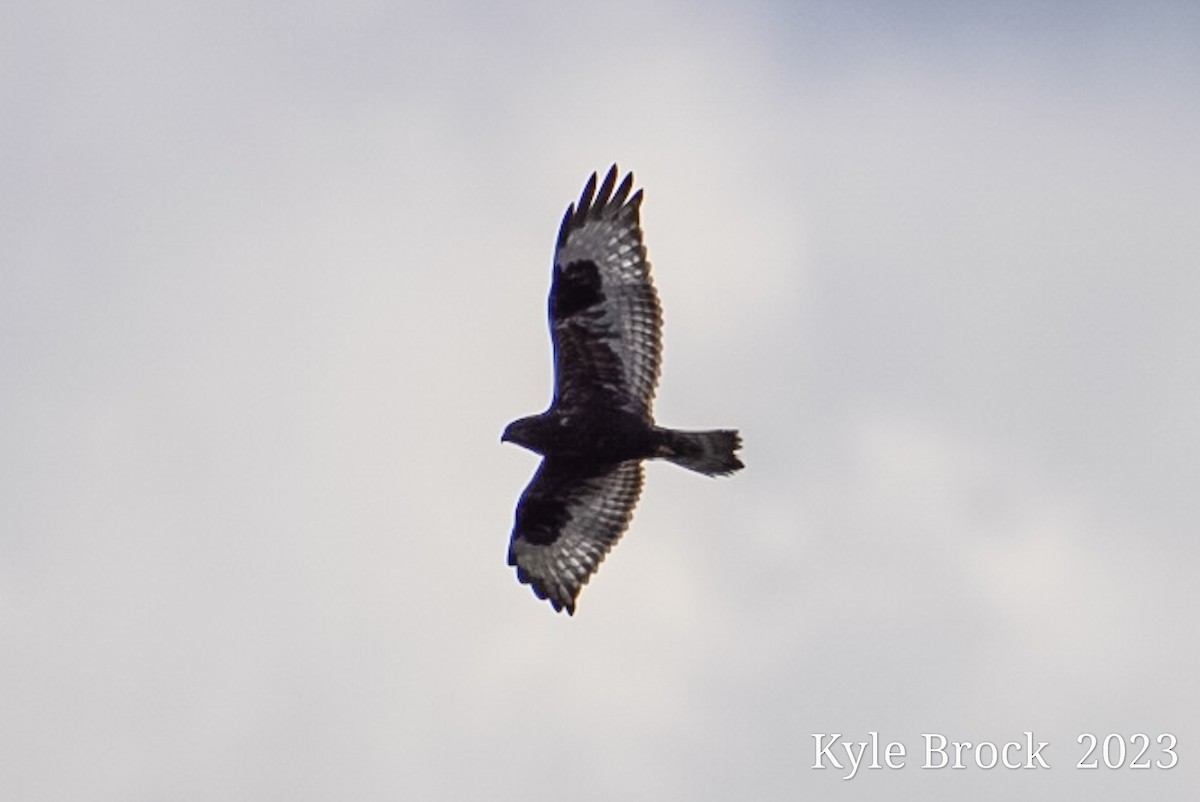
(567, 522)
(605, 319)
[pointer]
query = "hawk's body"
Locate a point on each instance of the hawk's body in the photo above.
(606, 326)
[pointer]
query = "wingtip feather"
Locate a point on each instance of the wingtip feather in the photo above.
(602, 200)
(605, 193)
(585, 197)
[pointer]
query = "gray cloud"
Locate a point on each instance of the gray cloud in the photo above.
(274, 281)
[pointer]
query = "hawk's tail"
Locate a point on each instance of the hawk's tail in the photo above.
(710, 453)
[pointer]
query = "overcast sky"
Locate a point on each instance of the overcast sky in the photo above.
(272, 282)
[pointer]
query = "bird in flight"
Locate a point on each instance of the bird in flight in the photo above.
(606, 329)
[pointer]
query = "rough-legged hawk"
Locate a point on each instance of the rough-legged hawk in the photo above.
(605, 323)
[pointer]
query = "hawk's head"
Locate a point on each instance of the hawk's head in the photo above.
(528, 432)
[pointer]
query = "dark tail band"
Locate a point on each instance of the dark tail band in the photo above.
(710, 453)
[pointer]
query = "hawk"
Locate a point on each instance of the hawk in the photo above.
(606, 328)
